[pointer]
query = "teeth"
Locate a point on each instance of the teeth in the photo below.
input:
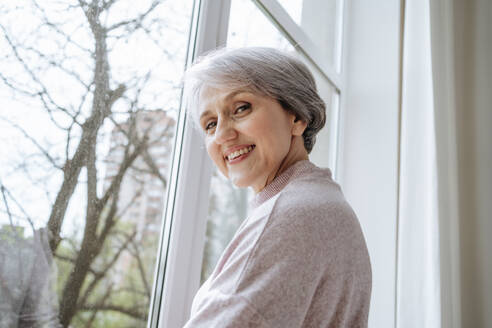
(239, 152)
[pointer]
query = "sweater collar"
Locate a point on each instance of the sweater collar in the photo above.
(280, 182)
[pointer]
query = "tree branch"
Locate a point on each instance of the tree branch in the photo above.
(5, 191)
(44, 92)
(34, 141)
(136, 313)
(99, 275)
(6, 204)
(100, 303)
(92, 244)
(136, 22)
(141, 269)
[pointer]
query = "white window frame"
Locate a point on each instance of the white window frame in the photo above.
(182, 240)
(297, 36)
(183, 237)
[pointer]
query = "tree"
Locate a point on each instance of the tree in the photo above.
(68, 62)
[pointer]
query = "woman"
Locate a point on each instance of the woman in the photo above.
(299, 259)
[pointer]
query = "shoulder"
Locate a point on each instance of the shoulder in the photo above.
(314, 197)
(312, 210)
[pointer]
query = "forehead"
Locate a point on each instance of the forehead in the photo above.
(210, 99)
(210, 95)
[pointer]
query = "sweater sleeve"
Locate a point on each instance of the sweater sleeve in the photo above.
(227, 311)
(281, 272)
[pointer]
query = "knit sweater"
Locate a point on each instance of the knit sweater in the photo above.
(298, 260)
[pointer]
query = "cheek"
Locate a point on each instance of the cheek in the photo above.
(275, 137)
(212, 151)
(216, 156)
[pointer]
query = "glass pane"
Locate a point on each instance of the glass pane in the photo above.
(228, 207)
(228, 204)
(90, 95)
(324, 151)
(256, 31)
(321, 20)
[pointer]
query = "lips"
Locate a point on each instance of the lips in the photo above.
(237, 151)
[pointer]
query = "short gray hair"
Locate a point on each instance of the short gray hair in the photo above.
(264, 71)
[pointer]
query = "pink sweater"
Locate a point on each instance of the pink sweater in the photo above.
(298, 260)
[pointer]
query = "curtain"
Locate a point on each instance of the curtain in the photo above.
(461, 46)
(445, 181)
(418, 274)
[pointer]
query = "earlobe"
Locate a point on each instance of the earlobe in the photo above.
(299, 127)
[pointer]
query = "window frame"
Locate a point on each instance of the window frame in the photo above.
(183, 235)
(296, 35)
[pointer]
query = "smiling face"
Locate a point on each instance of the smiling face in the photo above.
(250, 138)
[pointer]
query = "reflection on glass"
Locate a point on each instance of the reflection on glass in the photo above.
(92, 92)
(321, 21)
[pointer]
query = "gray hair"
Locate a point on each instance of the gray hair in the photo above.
(264, 71)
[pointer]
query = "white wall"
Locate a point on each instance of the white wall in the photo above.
(369, 140)
(418, 282)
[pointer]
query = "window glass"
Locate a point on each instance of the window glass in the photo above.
(321, 21)
(90, 93)
(228, 204)
(325, 148)
(256, 31)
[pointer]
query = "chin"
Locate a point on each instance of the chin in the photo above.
(241, 182)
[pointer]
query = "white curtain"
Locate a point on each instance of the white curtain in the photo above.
(418, 277)
(442, 45)
(461, 43)
(445, 208)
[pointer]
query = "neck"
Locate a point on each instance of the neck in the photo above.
(296, 153)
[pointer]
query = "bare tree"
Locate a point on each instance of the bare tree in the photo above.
(94, 100)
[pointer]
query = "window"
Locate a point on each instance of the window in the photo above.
(321, 21)
(90, 98)
(108, 197)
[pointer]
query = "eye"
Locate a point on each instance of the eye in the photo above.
(241, 109)
(209, 126)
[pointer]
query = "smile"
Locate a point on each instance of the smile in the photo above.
(240, 152)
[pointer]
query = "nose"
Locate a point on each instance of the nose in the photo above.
(224, 131)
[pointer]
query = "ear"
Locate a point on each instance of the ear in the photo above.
(298, 127)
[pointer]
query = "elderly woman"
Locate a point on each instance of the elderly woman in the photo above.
(299, 259)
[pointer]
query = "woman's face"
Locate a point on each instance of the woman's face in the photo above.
(250, 138)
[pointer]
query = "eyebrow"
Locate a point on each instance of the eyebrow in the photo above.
(227, 98)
